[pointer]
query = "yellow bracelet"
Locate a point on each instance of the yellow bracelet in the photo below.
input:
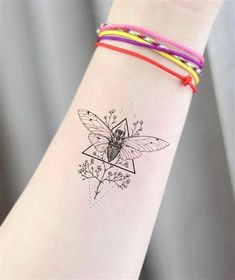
(166, 55)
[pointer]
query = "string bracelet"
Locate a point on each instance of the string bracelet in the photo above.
(155, 36)
(157, 46)
(182, 56)
(162, 53)
(186, 80)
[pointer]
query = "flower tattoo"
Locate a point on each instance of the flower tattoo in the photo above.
(113, 149)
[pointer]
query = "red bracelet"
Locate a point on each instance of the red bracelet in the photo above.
(186, 80)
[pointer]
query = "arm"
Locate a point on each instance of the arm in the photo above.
(52, 232)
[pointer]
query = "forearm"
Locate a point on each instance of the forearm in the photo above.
(53, 232)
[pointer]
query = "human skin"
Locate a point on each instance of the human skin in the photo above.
(52, 232)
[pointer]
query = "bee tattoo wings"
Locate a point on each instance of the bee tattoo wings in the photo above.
(116, 143)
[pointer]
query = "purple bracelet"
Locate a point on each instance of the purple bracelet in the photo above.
(172, 52)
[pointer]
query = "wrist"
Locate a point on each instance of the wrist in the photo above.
(185, 22)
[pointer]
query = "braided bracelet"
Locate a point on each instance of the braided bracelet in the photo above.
(138, 41)
(185, 80)
(157, 46)
(142, 37)
(107, 26)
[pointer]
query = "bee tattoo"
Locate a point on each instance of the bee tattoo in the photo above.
(115, 147)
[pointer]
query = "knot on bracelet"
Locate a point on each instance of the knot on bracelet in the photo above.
(187, 80)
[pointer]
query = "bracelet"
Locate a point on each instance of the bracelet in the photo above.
(157, 46)
(185, 58)
(107, 26)
(162, 53)
(186, 80)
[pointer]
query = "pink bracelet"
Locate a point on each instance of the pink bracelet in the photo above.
(107, 26)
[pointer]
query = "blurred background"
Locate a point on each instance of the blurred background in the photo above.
(45, 49)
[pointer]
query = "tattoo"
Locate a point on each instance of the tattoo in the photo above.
(112, 151)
